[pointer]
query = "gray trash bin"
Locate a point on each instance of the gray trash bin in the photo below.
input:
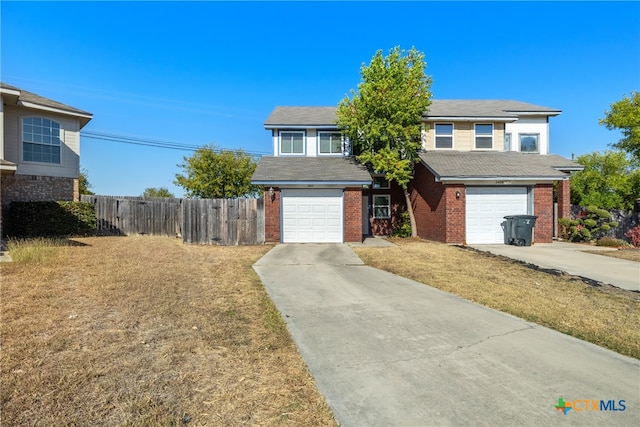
(519, 229)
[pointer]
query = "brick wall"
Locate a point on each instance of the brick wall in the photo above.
(427, 198)
(385, 226)
(455, 214)
(28, 188)
(564, 199)
(353, 214)
(272, 216)
(543, 209)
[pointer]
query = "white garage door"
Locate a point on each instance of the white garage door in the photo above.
(486, 209)
(312, 216)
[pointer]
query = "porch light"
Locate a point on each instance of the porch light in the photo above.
(458, 195)
(272, 194)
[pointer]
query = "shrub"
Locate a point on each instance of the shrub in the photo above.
(611, 242)
(403, 228)
(592, 223)
(49, 219)
(634, 235)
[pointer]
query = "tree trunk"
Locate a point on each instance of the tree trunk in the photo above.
(412, 218)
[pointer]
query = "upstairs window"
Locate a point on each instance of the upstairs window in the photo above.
(529, 143)
(330, 143)
(41, 140)
(291, 142)
(444, 135)
(484, 136)
(380, 182)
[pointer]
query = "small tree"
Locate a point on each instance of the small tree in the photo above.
(83, 182)
(608, 181)
(157, 192)
(214, 173)
(624, 115)
(382, 119)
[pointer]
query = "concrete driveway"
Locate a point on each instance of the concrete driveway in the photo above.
(572, 258)
(387, 351)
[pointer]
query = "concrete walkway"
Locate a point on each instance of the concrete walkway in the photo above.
(387, 351)
(572, 258)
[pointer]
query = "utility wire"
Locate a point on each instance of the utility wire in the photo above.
(154, 142)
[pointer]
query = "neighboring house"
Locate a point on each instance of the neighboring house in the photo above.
(39, 147)
(481, 161)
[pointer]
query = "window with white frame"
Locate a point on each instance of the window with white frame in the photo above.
(382, 206)
(507, 142)
(529, 142)
(484, 136)
(292, 142)
(444, 135)
(41, 140)
(330, 143)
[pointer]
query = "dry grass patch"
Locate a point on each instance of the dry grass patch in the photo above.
(606, 316)
(630, 254)
(146, 331)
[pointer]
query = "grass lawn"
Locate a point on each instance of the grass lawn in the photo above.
(146, 331)
(606, 316)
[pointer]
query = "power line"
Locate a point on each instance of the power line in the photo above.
(156, 143)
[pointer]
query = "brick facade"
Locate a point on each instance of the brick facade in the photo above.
(543, 209)
(352, 214)
(33, 188)
(564, 199)
(455, 214)
(427, 198)
(272, 216)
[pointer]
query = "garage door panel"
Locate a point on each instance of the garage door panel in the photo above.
(486, 208)
(313, 215)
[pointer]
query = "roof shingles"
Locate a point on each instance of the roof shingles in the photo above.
(274, 170)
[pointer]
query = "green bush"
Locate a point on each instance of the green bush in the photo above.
(49, 219)
(591, 224)
(403, 227)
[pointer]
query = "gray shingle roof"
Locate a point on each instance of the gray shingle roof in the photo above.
(31, 97)
(338, 170)
(326, 116)
(483, 108)
(299, 116)
(496, 164)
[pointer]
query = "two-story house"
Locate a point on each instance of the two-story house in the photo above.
(39, 147)
(481, 161)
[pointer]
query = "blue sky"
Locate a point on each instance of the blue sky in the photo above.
(199, 73)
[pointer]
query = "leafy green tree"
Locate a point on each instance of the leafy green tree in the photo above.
(624, 115)
(382, 119)
(157, 192)
(214, 173)
(83, 182)
(609, 180)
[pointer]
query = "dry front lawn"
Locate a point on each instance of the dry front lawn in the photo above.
(626, 253)
(605, 315)
(146, 331)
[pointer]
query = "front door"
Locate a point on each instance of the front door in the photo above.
(366, 222)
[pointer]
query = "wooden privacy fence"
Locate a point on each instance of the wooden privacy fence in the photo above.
(198, 221)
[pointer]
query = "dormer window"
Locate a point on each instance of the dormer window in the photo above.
(484, 136)
(292, 142)
(329, 143)
(41, 140)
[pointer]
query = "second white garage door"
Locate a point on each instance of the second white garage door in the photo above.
(486, 208)
(312, 216)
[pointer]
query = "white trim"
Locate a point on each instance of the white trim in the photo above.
(435, 136)
(475, 136)
(28, 104)
(468, 119)
(318, 138)
(304, 142)
(387, 205)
